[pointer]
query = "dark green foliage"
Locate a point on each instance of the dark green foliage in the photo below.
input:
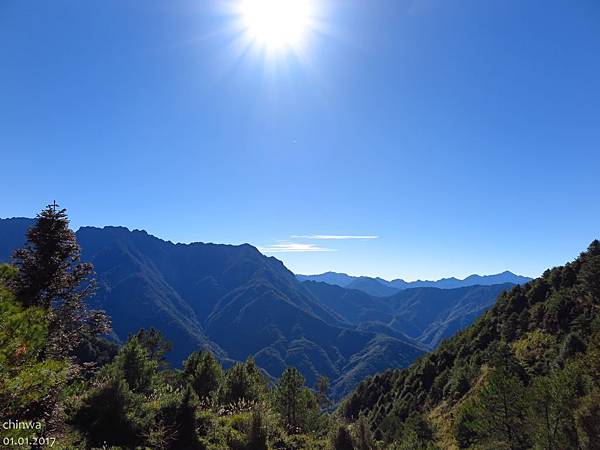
(587, 419)
(44, 321)
(501, 410)
(96, 350)
(322, 388)
(155, 344)
(590, 267)
(134, 365)
(51, 277)
(204, 373)
(363, 436)
(185, 422)
(289, 398)
(29, 384)
(110, 413)
(244, 381)
(553, 400)
(257, 439)
(342, 439)
(465, 425)
(414, 433)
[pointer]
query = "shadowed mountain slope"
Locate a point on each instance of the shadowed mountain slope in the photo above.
(427, 315)
(231, 299)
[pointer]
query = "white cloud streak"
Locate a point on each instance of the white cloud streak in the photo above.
(292, 247)
(332, 237)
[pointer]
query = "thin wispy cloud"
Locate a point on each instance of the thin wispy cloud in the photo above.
(332, 237)
(293, 247)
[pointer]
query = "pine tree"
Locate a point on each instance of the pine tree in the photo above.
(186, 422)
(501, 407)
(110, 414)
(342, 439)
(289, 397)
(51, 276)
(155, 344)
(322, 387)
(589, 278)
(364, 438)
(204, 373)
(257, 439)
(244, 381)
(553, 401)
(134, 365)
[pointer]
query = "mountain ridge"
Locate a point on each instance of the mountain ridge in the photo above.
(380, 287)
(230, 299)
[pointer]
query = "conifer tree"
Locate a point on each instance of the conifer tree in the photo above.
(342, 439)
(52, 276)
(289, 397)
(553, 400)
(501, 407)
(590, 268)
(155, 344)
(322, 387)
(134, 365)
(243, 381)
(364, 437)
(204, 372)
(186, 423)
(257, 439)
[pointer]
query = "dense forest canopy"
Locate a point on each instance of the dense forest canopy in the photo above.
(525, 375)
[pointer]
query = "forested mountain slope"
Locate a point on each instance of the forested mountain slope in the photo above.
(525, 374)
(427, 315)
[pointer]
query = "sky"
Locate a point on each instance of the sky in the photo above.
(411, 139)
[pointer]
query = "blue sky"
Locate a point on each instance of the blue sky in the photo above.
(459, 137)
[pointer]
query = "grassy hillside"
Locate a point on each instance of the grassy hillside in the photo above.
(523, 375)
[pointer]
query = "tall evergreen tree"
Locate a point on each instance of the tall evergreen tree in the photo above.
(289, 397)
(155, 344)
(257, 436)
(243, 381)
(52, 276)
(364, 437)
(322, 387)
(553, 401)
(134, 365)
(501, 407)
(342, 439)
(204, 372)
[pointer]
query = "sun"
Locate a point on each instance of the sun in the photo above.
(277, 24)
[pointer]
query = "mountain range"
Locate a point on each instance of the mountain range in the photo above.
(237, 302)
(383, 288)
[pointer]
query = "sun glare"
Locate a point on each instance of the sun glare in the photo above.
(276, 24)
